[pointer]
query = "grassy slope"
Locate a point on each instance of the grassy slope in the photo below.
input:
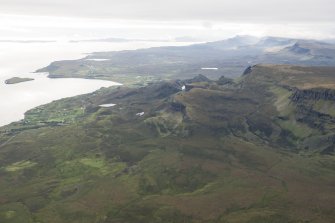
(216, 153)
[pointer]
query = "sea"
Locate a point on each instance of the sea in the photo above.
(22, 59)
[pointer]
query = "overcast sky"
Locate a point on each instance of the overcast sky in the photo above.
(168, 18)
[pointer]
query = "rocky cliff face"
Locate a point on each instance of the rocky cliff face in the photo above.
(309, 102)
(313, 94)
(248, 70)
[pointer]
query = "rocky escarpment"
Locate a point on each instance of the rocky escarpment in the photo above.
(313, 94)
(248, 70)
(314, 108)
(308, 103)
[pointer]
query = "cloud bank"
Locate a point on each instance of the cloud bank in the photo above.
(219, 18)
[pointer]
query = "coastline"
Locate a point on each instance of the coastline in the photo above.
(19, 98)
(43, 90)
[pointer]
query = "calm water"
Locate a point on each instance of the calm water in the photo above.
(21, 59)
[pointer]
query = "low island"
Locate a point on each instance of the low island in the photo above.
(16, 80)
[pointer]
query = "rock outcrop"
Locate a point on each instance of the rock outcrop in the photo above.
(313, 94)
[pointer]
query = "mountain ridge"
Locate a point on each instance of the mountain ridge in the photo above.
(228, 58)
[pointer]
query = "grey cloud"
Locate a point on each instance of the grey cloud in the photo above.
(206, 10)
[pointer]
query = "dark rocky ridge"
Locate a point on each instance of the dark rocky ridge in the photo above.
(313, 94)
(296, 48)
(248, 70)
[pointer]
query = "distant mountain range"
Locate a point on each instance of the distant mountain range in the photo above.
(230, 57)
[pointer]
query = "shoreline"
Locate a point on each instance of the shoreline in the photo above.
(18, 98)
(43, 90)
